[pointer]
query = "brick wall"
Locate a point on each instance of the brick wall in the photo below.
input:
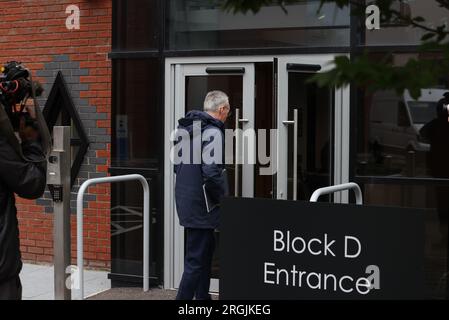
(34, 32)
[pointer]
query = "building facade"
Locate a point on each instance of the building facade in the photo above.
(158, 59)
(166, 55)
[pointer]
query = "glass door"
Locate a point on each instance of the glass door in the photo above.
(306, 129)
(192, 83)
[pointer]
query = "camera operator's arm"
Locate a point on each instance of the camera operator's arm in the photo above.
(26, 179)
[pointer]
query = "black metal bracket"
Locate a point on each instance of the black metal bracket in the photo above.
(60, 103)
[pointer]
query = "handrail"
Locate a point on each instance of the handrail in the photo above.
(146, 225)
(339, 187)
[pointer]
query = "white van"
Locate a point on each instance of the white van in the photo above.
(395, 121)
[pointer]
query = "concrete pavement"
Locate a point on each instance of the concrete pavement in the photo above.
(37, 282)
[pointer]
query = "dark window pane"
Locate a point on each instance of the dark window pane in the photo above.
(400, 136)
(406, 142)
(264, 185)
(127, 227)
(138, 124)
(202, 24)
(135, 25)
(196, 90)
(314, 106)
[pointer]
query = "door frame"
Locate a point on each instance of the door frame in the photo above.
(182, 71)
(341, 142)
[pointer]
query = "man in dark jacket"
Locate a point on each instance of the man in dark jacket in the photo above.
(436, 132)
(200, 185)
(27, 179)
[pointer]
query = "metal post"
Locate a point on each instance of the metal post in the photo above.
(294, 122)
(340, 187)
(58, 173)
(146, 226)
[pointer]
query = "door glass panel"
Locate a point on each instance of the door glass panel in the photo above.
(196, 90)
(265, 117)
(315, 153)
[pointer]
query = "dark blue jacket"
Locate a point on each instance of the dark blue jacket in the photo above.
(190, 177)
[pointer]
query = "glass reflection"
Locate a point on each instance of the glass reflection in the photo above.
(315, 154)
(400, 135)
(136, 131)
(203, 24)
(398, 34)
(406, 143)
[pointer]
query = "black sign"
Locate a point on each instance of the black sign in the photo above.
(274, 249)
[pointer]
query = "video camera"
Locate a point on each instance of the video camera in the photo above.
(15, 89)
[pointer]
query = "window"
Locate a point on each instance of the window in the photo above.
(203, 24)
(135, 24)
(137, 141)
(137, 130)
(402, 157)
(396, 35)
(402, 137)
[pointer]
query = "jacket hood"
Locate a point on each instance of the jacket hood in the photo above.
(186, 123)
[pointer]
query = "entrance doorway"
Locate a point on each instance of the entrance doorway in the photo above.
(303, 132)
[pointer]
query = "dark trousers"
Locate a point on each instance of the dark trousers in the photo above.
(195, 283)
(11, 289)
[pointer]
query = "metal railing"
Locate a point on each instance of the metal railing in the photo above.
(146, 226)
(340, 187)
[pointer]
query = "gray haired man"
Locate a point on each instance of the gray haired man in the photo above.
(193, 182)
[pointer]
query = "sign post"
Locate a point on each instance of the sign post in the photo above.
(58, 179)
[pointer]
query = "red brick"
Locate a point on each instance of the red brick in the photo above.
(29, 256)
(44, 244)
(36, 236)
(36, 250)
(44, 258)
(27, 242)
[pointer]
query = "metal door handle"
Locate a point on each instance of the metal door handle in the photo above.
(294, 122)
(237, 148)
